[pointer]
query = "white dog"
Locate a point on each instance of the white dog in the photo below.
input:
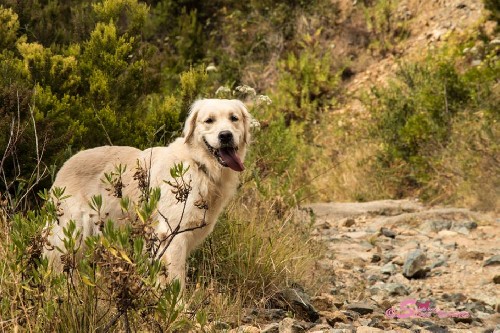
(216, 134)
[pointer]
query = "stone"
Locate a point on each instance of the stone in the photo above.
(324, 302)
(440, 225)
(246, 329)
(349, 223)
(396, 289)
(297, 301)
(289, 325)
(368, 329)
(375, 258)
(361, 308)
(471, 255)
(471, 225)
(320, 328)
(447, 234)
(388, 269)
(496, 279)
(271, 328)
(414, 266)
(333, 317)
(388, 233)
(493, 261)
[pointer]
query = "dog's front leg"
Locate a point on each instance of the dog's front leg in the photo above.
(175, 258)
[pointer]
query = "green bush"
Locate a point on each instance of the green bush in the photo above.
(417, 116)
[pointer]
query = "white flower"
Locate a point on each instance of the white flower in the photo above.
(244, 89)
(263, 99)
(254, 123)
(211, 68)
(222, 91)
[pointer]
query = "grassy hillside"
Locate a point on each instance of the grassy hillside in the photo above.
(79, 74)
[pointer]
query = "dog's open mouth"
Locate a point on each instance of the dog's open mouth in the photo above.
(226, 156)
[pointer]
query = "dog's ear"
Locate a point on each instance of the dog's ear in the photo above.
(190, 123)
(247, 119)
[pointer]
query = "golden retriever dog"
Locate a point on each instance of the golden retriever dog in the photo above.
(213, 146)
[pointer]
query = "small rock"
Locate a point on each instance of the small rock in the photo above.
(396, 289)
(333, 317)
(493, 261)
(361, 308)
(289, 325)
(246, 329)
(388, 257)
(447, 233)
(438, 226)
(456, 298)
(471, 225)
(351, 315)
(337, 300)
(324, 302)
(414, 265)
(376, 258)
(349, 223)
(321, 328)
(388, 233)
(388, 269)
(496, 279)
(466, 320)
(271, 328)
(471, 255)
(368, 329)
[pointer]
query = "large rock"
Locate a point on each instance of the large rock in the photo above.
(414, 266)
(297, 301)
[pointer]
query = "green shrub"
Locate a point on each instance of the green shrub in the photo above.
(417, 116)
(386, 26)
(306, 86)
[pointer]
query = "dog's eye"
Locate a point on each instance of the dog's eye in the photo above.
(209, 120)
(234, 118)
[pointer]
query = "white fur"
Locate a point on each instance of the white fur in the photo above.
(81, 177)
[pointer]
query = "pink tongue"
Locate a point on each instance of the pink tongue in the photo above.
(232, 160)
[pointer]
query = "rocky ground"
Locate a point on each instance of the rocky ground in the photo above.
(396, 266)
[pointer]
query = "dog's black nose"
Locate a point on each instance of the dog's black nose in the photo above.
(225, 137)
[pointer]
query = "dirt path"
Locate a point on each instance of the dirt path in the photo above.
(386, 252)
(396, 266)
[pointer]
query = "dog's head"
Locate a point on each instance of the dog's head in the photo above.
(221, 126)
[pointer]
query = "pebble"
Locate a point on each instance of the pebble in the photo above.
(361, 308)
(388, 269)
(333, 317)
(368, 329)
(493, 261)
(396, 289)
(325, 302)
(388, 233)
(271, 328)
